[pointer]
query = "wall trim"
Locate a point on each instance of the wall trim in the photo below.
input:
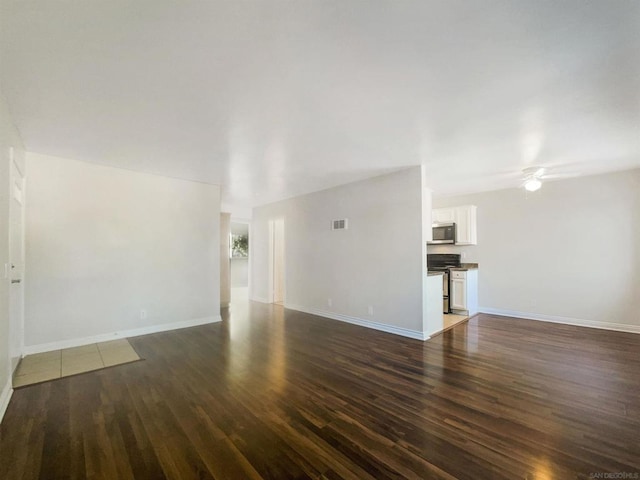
(78, 342)
(383, 327)
(5, 397)
(578, 322)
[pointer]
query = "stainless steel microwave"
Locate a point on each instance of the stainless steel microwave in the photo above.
(443, 233)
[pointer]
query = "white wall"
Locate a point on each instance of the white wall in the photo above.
(9, 137)
(376, 262)
(104, 243)
(569, 252)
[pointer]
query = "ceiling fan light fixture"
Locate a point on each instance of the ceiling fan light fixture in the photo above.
(532, 176)
(532, 184)
(534, 172)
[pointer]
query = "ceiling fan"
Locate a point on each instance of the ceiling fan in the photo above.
(533, 178)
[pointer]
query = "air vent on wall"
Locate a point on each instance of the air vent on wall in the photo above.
(340, 224)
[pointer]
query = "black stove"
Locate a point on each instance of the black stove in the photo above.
(442, 262)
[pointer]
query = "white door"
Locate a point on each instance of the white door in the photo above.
(458, 294)
(16, 264)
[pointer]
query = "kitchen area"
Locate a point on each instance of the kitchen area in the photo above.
(452, 228)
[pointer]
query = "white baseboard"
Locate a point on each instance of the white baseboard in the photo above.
(5, 397)
(383, 327)
(619, 327)
(78, 342)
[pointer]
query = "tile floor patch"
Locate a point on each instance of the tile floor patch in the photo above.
(42, 367)
(37, 363)
(81, 363)
(44, 357)
(29, 379)
(123, 342)
(116, 356)
(451, 319)
(83, 350)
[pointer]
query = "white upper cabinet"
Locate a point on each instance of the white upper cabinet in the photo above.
(465, 218)
(466, 225)
(444, 215)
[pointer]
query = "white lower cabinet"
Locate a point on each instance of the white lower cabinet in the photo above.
(458, 294)
(463, 292)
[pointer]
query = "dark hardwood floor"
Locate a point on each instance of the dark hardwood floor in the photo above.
(276, 394)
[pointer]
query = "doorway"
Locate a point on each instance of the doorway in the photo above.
(239, 270)
(16, 262)
(277, 262)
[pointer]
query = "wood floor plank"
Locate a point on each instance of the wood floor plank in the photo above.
(275, 394)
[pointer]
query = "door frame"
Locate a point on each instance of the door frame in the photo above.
(19, 324)
(273, 225)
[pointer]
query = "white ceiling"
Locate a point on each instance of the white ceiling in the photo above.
(271, 99)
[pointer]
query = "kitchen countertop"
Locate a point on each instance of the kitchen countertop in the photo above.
(465, 266)
(434, 273)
